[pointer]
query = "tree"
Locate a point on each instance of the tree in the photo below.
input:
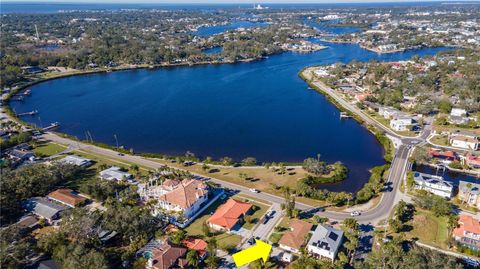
(315, 166)
(226, 161)
(206, 229)
(177, 237)
(249, 161)
(193, 259)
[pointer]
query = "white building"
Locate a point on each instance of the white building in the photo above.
(388, 112)
(115, 173)
(433, 184)
(185, 197)
(458, 112)
(402, 123)
(325, 242)
(76, 160)
(322, 72)
(464, 141)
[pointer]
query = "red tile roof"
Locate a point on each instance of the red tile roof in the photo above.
(166, 255)
(296, 238)
(228, 214)
(196, 244)
(186, 193)
(467, 223)
(448, 155)
(67, 197)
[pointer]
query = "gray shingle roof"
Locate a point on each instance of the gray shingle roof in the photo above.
(43, 207)
(326, 237)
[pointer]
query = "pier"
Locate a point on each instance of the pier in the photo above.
(31, 113)
(344, 115)
(52, 126)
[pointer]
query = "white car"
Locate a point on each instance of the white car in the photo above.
(355, 213)
(254, 190)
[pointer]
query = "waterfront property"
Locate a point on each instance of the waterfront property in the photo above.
(245, 111)
(115, 173)
(229, 215)
(469, 193)
(325, 242)
(433, 184)
(472, 161)
(295, 238)
(185, 197)
(444, 157)
(467, 232)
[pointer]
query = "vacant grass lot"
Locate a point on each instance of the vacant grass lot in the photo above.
(47, 149)
(429, 229)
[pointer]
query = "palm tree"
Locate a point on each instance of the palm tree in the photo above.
(193, 259)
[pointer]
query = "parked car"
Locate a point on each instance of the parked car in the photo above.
(254, 190)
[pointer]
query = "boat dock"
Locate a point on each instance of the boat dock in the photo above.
(52, 126)
(31, 113)
(344, 115)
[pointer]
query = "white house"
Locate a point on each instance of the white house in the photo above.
(433, 184)
(185, 197)
(402, 123)
(458, 112)
(388, 112)
(322, 72)
(325, 242)
(115, 173)
(76, 160)
(464, 141)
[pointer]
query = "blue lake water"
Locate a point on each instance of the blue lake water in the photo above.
(260, 109)
(217, 29)
(451, 176)
(213, 50)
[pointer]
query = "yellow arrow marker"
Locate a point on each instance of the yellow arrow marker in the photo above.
(260, 250)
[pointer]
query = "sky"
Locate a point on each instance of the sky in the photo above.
(225, 1)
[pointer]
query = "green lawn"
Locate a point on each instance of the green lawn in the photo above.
(257, 214)
(429, 229)
(275, 237)
(46, 149)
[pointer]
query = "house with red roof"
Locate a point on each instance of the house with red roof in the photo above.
(67, 197)
(197, 244)
(166, 256)
(228, 215)
(467, 232)
(295, 238)
(472, 161)
(444, 156)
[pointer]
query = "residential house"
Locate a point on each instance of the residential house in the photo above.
(197, 244)
(467, 232)
(165, 256)
(17, 156)
(458, 116)
(295, 238)
(472, 161)
(115, 173)
(67, 197)
(44, 208)
(433, 184)
(445, 157)
(28, 222)
(186, 196)
(469, 193)
(76, 160)
(464, 141)
(402, 123)
(325, 242)
(228, 215)
(388, 112)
